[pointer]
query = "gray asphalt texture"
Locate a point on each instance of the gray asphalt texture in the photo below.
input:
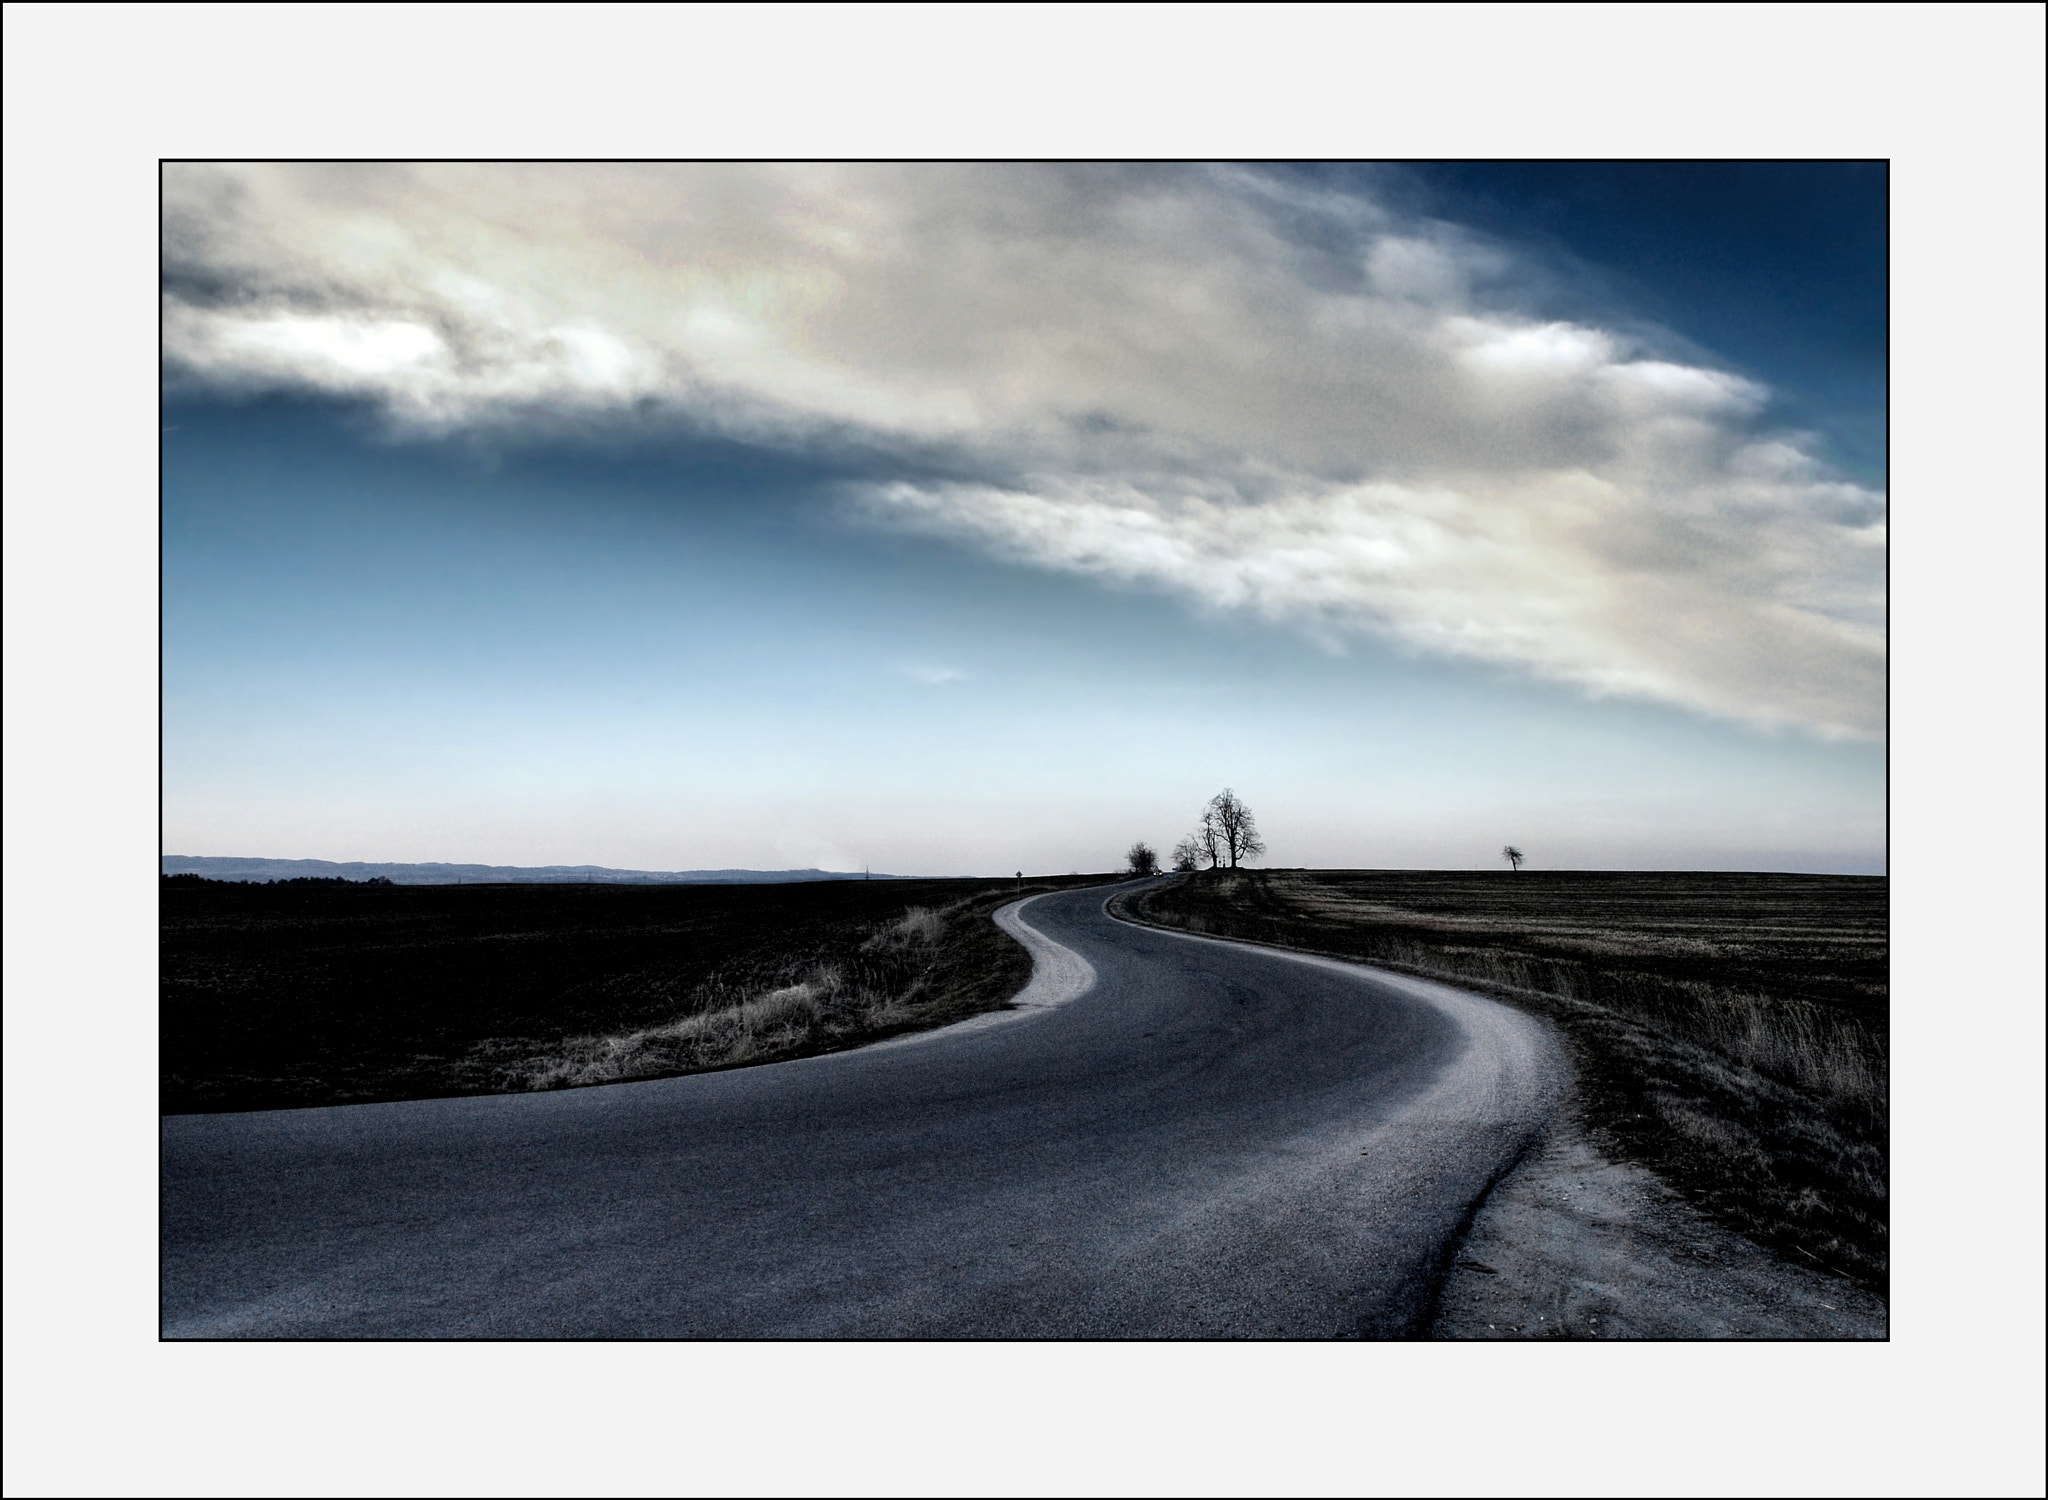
(1210, 1140)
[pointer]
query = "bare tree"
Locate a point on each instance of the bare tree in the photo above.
(1512, 855)
(1209, 835)
(1237, 831)
(1143, 859)
(1187, 855)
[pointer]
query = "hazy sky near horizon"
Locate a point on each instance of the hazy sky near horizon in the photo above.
(960, 519)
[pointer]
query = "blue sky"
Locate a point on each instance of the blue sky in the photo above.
(955, 521)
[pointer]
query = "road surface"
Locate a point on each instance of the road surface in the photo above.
(1171, 1137)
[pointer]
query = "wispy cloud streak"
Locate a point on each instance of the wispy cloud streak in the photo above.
(1260, 395)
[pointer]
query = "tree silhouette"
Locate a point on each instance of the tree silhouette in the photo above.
(1512, 855)
(1237, 831)
(1187, 855)
(1143, 859)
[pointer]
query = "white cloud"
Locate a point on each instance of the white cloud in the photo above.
(1537, 575)
(1261, 395)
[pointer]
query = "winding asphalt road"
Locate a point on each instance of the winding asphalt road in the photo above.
(1171, 1136)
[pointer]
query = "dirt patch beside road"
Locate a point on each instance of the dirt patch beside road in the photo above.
(1574, 1245)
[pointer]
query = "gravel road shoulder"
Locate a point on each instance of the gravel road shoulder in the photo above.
(1573, 1245)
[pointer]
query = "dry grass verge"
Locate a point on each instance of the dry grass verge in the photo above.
(928, 967)
(276, 997)
(1731, 1031)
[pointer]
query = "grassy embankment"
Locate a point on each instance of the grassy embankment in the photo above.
(282, 996)
(1731, 1031)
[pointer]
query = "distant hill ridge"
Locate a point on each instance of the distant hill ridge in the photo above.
(226, 868)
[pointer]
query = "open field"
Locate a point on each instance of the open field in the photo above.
(1731, 1031)
(278, 996)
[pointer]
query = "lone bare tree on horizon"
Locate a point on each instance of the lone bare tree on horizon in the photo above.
(1236, 830)
(1513, 856)
(1142, 859)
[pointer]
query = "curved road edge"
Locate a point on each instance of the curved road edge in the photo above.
(1567, 1243)
(1058, 974)
(1507, 1049)
(1514, 1069)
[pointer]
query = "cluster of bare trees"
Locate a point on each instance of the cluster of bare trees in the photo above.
(1226, 835)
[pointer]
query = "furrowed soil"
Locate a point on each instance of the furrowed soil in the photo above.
(283, 996)
(1731, 1032)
